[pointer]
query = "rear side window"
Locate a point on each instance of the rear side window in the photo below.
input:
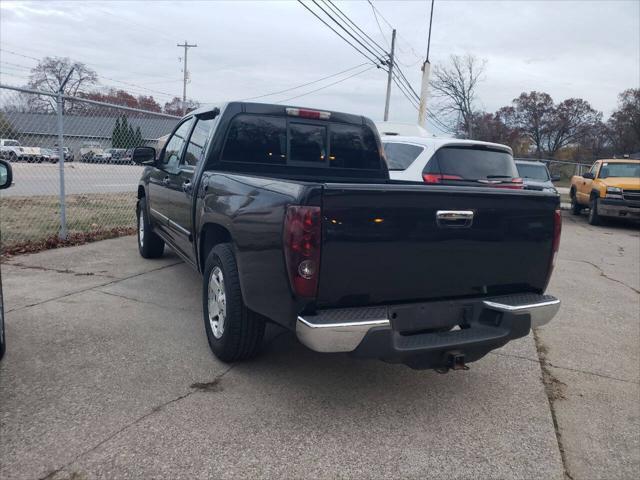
(472, 163)
(353, 146)
(256, 139)
(401, 155)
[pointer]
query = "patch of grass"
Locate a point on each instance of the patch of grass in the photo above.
(36, 219)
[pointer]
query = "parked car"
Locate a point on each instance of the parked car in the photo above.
(68, 153)
(451, 161)
(13, 151)
(50, 155)
(291, 217)
(90, 150)
(6, 178)
(611, 188)
(119, 155)
(535, 175)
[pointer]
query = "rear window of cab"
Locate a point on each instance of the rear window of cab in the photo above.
(272, 140)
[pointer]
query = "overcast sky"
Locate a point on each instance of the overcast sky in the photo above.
(587, 49)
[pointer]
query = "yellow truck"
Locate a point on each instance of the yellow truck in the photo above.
(611, 188)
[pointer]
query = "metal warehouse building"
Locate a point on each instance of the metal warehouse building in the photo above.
(40, 129)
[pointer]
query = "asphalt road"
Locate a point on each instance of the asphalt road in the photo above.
(44, 178)
(108, 375)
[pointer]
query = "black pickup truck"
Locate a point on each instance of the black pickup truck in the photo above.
(291, 217)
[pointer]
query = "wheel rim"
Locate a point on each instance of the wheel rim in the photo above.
(141, 228)
(217, 300)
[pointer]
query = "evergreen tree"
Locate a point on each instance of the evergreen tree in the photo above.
(124, 133)
(131, 138)
(139, 140)
(115, 136)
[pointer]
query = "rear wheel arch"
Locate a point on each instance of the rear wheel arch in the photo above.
(211, 234)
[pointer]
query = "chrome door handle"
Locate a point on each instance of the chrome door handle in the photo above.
(165, 181)
(186, 186)
(454, 218)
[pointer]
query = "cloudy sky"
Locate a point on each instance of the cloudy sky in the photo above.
(587, 49)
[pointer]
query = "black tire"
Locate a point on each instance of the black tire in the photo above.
(242, 330)
(576, 208)
(594, 218)
(150, 245)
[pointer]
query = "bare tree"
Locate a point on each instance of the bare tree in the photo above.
(532, 114)
(49, 74)
(456, 85)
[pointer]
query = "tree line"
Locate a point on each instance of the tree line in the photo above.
(49, 74)
(533, 124)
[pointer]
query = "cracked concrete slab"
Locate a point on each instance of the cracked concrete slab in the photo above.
(294, 413)
(29, 286)
(116, 258)
(80, 367)
(593, 348)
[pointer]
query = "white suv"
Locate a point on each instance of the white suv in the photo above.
(450, 161)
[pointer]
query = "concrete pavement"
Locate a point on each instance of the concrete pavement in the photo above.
(108, 375)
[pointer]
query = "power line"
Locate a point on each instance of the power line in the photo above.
(375, 15)
(375, 54)
(329, 85)
(102, 76)
(366, 37)
(374, 61)
(304, 84)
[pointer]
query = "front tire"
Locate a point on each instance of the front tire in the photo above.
(233, 331)
(150, 245)
(594, 217)
(576, 208)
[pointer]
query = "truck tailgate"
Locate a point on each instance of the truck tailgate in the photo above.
(384, 243)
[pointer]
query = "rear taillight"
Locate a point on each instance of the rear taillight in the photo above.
(438, 177)
(516, 183)
(555, 243)
(302, 241)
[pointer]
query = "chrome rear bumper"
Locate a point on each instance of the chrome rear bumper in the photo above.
(343, 330)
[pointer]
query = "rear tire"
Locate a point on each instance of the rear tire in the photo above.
(150, 245)
(594, 218)
(233, 331)
(576, 208)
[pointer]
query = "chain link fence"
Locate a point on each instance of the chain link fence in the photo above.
(73, 177)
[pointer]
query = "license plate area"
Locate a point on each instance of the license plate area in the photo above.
(432, 316)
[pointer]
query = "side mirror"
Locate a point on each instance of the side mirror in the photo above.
(555, 178)
(144, 155)
(6, 175)
(589, 175)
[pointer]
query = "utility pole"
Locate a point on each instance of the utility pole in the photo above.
(390, 78)
(186, 47)
(426, 74)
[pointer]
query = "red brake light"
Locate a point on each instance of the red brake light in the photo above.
(305, 113)
(302, 242)
(438, 177)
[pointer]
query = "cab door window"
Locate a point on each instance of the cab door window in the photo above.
(197, 143)
(174, 148)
